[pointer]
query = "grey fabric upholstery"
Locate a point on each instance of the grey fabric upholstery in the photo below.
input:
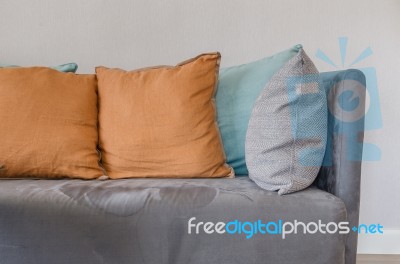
(342, 174)
(145, 221)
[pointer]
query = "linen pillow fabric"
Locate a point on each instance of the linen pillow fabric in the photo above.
(68, 67)
(286, 136)
(48, 124)
(238, 89)
(161, 121)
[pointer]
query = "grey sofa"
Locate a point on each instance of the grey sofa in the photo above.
(146, 220)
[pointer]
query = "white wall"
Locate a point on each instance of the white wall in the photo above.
(130, 34)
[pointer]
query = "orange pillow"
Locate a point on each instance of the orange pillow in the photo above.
(161, 121)
(48, 124)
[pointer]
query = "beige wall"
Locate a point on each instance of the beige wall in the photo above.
(130, 34)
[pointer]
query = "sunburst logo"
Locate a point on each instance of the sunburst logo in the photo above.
(347, 104)
(343, 53)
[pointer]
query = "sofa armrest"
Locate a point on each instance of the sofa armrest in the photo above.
(341, 171)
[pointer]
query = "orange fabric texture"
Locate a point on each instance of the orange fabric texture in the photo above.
(48, 124)
(160, 121)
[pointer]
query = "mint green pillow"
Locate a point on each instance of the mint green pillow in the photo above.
(69, 67)
(238, 89)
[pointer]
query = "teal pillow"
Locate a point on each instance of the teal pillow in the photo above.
(69, 67)
(238, 89)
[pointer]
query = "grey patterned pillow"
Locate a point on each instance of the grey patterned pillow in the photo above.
(287, 131)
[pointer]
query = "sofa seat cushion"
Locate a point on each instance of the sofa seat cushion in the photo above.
(146, 221)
